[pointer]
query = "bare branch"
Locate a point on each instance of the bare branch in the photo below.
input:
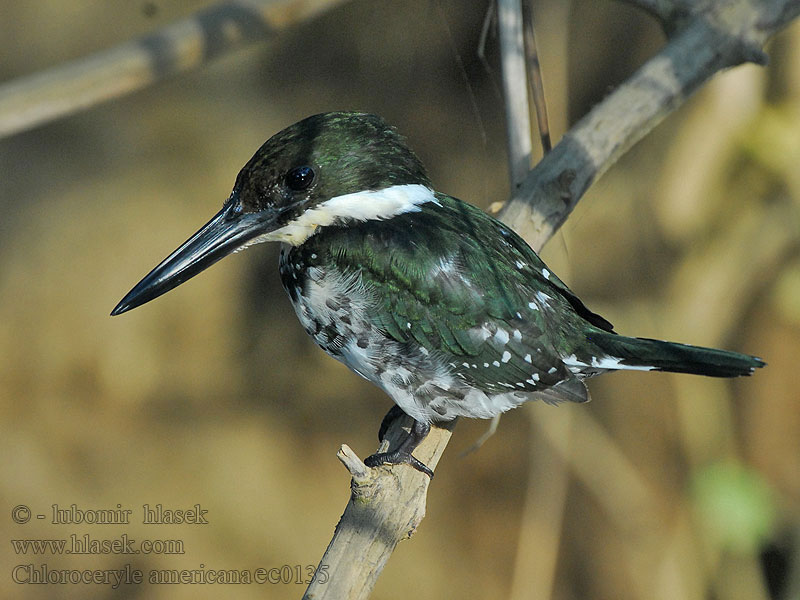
(386, 506)
(518, 114)
(666, 11)
(718, 36)
(179, 47)
(535, 83)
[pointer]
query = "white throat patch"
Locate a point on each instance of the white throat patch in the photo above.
(360, 206)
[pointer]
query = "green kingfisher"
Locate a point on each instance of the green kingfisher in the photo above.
(443, 307)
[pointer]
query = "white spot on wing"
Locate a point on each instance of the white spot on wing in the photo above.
(543, 298)
(483, 333)
(501, 336)
(506, 356)
(605, 362)
(572, 361)
(445, 266)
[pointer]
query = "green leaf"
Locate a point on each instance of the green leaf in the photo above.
(735, 505)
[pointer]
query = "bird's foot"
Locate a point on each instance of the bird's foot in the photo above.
(402, 454)
(397, 457)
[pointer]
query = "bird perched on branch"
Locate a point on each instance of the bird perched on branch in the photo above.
(443, 307)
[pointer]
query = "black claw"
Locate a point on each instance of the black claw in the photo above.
(402, 454)
(397, 458)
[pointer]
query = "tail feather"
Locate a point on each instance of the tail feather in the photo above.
(641, 353)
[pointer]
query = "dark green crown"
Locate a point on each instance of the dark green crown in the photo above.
(345, 152)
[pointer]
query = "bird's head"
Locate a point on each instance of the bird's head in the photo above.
(328, 169)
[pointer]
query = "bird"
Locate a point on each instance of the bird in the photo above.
(443, 307)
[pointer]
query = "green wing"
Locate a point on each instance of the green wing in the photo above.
(459, 283)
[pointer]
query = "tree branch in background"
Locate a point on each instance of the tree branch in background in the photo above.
(715, 36)
(186, 44)
(515, 89)
(535, 83)
(667, 12)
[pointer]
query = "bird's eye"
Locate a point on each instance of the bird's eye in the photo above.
(299, 178)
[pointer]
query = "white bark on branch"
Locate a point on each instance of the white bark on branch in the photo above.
(388, 503)
(181, 46)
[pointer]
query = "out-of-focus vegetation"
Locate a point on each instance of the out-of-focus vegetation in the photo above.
(666, 486)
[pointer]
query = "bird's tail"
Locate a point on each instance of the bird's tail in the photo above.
(641, 353)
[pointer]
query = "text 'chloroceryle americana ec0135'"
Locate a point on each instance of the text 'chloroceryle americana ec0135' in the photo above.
(438, 304)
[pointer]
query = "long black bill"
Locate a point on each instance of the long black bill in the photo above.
(228, 231)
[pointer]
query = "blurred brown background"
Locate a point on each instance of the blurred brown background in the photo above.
(666, 486)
